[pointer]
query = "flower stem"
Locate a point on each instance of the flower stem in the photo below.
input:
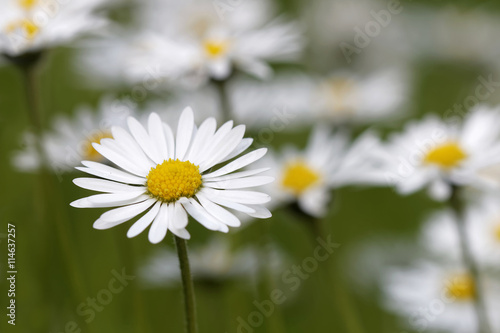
(457, 205)
(187, 285)
(225, 105)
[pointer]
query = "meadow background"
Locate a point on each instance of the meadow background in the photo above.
(61, 260)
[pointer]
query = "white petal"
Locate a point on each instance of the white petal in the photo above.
(242, 146)
(184, 133)
(144, 221)
(157, 134)
(201, 139)
(218, 212)
(225, 148)
(101, 185)
(228, 203)
(122, 214)
(180, 219)
(169, 136)
(127, 142)
(216, 140)
(182, 233)
(261, 212)
(243, 197)
(240, 182)
(109, 200)
(119, 160)
(105, 171)
(240, 174)
(142, 137)
(159, 228)
(200, 214)
(140, 160)
(238, 163)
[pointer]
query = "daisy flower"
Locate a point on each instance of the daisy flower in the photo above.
(347, 97)
(482, 222)
(170, 177)
(33, 25)
(438, 297)
(328, 162)
(71, 138)
(197, 45)
(438, 155)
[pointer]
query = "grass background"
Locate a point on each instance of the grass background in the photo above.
(57, 249)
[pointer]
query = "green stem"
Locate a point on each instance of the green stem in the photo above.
(458, 207)
(225, 104)
(187, 285)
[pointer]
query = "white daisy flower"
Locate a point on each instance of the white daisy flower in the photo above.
(328, 162)
(33, 25)
(347, 97)
(434, 296)
(482, 222)
(71, 138)
(439, 155)
(172, 177)
(197, 45)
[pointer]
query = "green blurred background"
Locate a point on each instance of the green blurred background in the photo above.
(61, 260)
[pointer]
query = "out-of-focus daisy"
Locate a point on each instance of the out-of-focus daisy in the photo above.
(328, 162)
(438, 297)
(198, 44)
(33, 25)
(482, 221)
(71, 138)
(172, 177)
(347, 97)
(213, 262)
(439, 155)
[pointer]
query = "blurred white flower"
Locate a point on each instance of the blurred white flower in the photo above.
(33, 25)
(71, 138)
(347, 97)
(201, 43)
(438, 297)
(327, 162)
(170, 177)
(215, 261)
(440, 236)
(440, 154)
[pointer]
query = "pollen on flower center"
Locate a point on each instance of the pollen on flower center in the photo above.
(215, 48)
(88, 151)
(461, 287)
(298, 177)
(447, 156)
(173, 179)
(339, 90)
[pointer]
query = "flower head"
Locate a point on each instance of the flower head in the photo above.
(170, 177)
(439, 155)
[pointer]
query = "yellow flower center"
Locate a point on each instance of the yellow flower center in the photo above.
(298, 177)
(339, 90)
(89, 153)
(497, 232)
(461, 287)
(173, 179)
(25, 27)
(446, 156)
(27, 4)
(215, 48)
